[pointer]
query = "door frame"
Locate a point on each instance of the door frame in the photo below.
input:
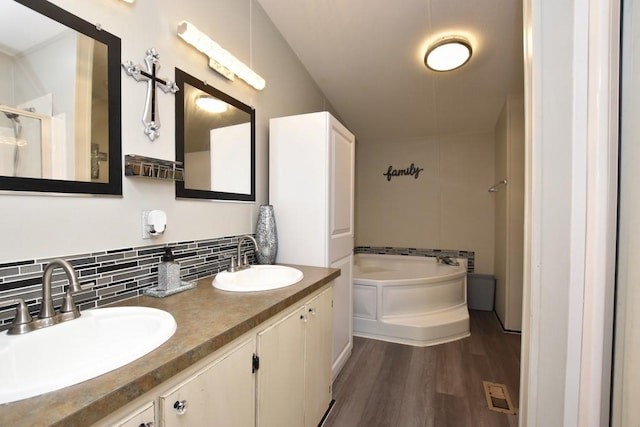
(568, 294)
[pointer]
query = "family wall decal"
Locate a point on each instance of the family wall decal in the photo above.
(412, 170)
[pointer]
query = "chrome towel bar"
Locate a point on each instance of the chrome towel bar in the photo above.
(497, 186)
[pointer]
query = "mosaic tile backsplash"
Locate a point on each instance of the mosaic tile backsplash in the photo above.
(124, 273)
(116, 274)
(469, 255)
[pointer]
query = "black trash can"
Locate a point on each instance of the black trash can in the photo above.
(481, 290)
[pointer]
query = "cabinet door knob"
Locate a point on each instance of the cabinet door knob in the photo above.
(180, 406)
(149, 424)
(303, 317)
(312, 311)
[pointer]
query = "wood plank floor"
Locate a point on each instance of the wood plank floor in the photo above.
(395, 385)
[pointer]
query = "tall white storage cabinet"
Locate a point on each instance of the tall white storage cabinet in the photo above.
(311, 187)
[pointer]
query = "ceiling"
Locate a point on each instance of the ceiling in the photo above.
(17, 24)
(367, 56)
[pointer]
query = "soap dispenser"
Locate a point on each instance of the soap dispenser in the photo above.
(168, 272)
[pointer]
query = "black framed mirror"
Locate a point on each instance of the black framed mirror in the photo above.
(215, 141)
(60, 102)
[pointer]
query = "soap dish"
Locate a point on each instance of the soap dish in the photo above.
(161, 293)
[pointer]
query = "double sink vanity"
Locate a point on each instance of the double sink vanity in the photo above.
(231, 358)
(243, 352)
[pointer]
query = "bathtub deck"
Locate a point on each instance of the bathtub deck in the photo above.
(386, 384)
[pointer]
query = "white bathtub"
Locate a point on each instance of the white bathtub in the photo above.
(409, 299)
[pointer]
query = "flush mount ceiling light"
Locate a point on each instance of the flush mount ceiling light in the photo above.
(219, 59)
(448, 53)
(211, 105)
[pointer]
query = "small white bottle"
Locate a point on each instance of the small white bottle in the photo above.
(168, 272)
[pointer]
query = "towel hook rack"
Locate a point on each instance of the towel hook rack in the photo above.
(496, 187)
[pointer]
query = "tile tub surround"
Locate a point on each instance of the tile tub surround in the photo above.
(117, 274)
(382, 250)
(207, 320)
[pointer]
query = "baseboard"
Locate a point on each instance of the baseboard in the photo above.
(505, 330)
(341, 360)
(326, 414)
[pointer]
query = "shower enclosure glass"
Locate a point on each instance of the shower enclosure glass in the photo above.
(24, 150)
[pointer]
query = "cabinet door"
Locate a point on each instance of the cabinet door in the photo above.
(341, 190)
(144, 416)
(281, 374)
(222, 394)
(318, 358)
(342, 313)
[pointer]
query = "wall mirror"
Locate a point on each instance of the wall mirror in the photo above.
(59, 102)
(215, 140)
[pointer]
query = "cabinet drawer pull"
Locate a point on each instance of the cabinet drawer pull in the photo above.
(180, 406)
(149, 424)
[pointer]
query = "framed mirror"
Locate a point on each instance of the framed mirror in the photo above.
(59, 102)
(215, 141)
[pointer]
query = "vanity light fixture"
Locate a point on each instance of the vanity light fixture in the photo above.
(219, 59)
(448, 53)
(211, 105)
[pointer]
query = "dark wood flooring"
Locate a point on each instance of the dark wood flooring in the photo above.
(395, 385)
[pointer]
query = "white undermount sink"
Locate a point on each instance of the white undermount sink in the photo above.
(64, 354)
(257, 278)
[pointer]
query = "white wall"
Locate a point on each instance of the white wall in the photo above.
(7, 95)
(446, 207)
(59, 101)
(626, 388)
(35, 226)
(198, 176)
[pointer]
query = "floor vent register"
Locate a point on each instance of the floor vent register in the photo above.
(498, 397)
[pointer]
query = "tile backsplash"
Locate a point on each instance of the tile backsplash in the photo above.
(387, 250)
(124, 273)
(115, 274)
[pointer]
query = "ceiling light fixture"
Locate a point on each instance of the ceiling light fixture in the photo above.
(211, 105)
(448, 53)
(219, 59)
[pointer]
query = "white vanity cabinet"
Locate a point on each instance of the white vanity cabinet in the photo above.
(281, 374)
(294, 379)
(221, 394)
(311, 187)
(144, 416)
(277, 374)
(318, 355)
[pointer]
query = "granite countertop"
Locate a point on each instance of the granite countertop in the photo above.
(207, 319)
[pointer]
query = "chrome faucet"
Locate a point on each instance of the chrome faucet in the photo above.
(69, 310)
(242, 262)
(445, 259)
(23, 321)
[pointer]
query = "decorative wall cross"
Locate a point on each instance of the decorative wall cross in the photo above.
(151, 116)
(97, 156)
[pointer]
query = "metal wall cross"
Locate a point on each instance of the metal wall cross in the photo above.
(151, 116)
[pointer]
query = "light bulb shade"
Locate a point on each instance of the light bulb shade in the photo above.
(448, 54)
(220, 59)
(211, 105)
